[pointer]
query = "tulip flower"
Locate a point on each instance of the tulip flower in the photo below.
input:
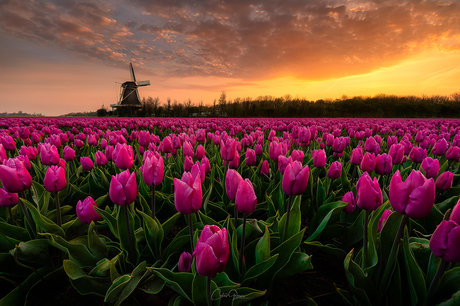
(205, 161)
(86, 212)
(101, 159)
(228, 149)
(8, 199)
(3, 155)
(187, 194)
(397, 153)
(49, 154)
(86, 163)
(276, 149)
(55, 180)
(232, 181)
(414, 197)
(297, 155)
(153, 174)
(185, 262)
(8, 143)
(453, 154)
(200, 152)
(144, 138)
(188, 149)
(212, 251)
(283, 161)
(123, 156)
(245, 199)
(264, 169)
(199, 169)
(371, 146)
(369, 195)
(383, 219)
(258, 149)
(339, 144)
(440, 147)
(295, 179)
(444, 181)
(123, 188)
(431, 167)
(335, 170)
(79, 144)
(417, 154)
(14, 176)
(444, 241)
(368, 162)
(235, 162)
(356, 156)
(251, 158)
(319, 158)
(349, 198)
(383, 164)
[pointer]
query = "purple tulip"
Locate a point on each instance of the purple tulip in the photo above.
(383, 164)
(86, 212)
(417, 154)
(55, 180)
(258, 149)
(8, 199)
(49, 154)
(453, 154)
(232, 181)
(414, 197)
(123, 188)
(349, 198)
(335, 170)
(455, 214)
(185, 262)
(235, 162)
(368, 162)
(431, 167)
(14, 176)
(153, 170)
(187, 194)
(444, 181)
(228, 149)
(188, 149)
(211, 251)
(440, 147)
(264, 169)
(251, 158)
(245, 199)
(283, 162)
(444, 241)
(101, 159)
(356, 156)
(319, 158)
(86, 163)
(123, 156)
(200, 152)
(295, 179)
(368, 195)
(383, 219)
(371, 146)
(298, 155)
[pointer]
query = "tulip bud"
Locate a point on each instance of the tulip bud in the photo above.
(8, 199)
(383, 164)
(297, 155)
(440, 147)
(258, 149)
(211, 251)
(153, 170)
(295, 179)
(444, 181)
(185, 262)
(368, 162)
(101, 159)
(319, 158)
(49, 154)
(283, 161)
(123, 156)
(123, 188)
(264, 169)
(86, 212)
(198, 169)
(397, 153)
(383, 219)
(245, 199)
(453, 154)
(356, 156)
(187, 193)
(86, 163)
(455, 214)
(188, 149)
(14, 176)
(200, 152)
(109, 152)
(232, 181)
(444, 241)
(228, 149)
(251, 158)
(349, 198)
(431, 167)
(205, 161)
(414, 197)
(235, 162)
(369, 195)
(55, 180)
(335, 170)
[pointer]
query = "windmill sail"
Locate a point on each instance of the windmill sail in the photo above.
(129, 95)
(131, 70)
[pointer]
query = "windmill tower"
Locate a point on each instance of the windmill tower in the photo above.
(129, 95)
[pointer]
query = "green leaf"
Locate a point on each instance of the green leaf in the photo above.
(116, 288)
(111, 221)
(126, 234)
(168, 224)
(449, 284)
(152, 285)
(41, 221)
(346, 186)
(138, 274)
(320, 193)
(34, 251)
(13, 231)
(263, 247)
(294, 219)
(258, 269)
(330, 249)
(179, 282)
(153, 234)
(328, 212)
(199, 290)
(453, 301)
(362, 288)
(95, 243)
(40, 196)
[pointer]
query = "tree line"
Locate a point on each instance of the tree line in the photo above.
(378, 106)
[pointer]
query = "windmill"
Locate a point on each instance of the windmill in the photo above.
(129, 95)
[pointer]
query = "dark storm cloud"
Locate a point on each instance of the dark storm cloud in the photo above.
(313, 39)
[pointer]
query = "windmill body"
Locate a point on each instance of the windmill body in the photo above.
(129, 94)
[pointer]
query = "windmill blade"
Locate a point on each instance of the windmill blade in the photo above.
(131, 70)
(143, 83)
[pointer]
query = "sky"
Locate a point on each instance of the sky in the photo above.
(58, 57)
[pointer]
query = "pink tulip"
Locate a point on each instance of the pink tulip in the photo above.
(383, 164)
(101, 159)
(444, 181)
(335, 170)
(211, 251)
(356, 156)
(153, 170)
(386, 214)
(123, 156)
(264, 169)
(55, 180)
(198, 169)
(200, 152)
(49, 154)
(368, 162)
(245, 199)
(319, 158)
(69, 153)
(232, 181)
(86, 212)
(251, 158)
(8, 199)
(86, 163)
(349, 198)
(235, 162)
(368, 193)
(283, 162)
(123, 188)
(431, 167)
(185, 262)
(188, 149)
(444, 241)
(295, 179)
(187, 194)
(297, 155)
(14, 176)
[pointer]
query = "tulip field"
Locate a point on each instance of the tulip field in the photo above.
(212, 211)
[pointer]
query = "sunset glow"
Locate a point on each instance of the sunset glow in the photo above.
(58, 57)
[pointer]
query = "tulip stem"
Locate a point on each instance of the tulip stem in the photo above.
(190, 231)
(128, 228)
(58, 209)
(208, 290)
(153, 201)
(393, 253)
(288, 213)
(243, 241)
(11, 215)
(366, 221)
(26, 214)
(236, 216)
(434, 282)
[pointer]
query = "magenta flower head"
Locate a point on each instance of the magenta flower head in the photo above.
(86, 163)
(8, 199)
(368, 195)
(295, 178)
(397, 153)
(431, 167)
(79, 143)
(368, 162)
(123, 188)
(153, 170)
(283, 162)
(232, 181)
(245, 200)
(339, 144)
(188, 149)
(414, 197)
(349, 198)
(319, 158)
(3, 155)
(8, 142)
(187, 194)
(335, 170)
(49, 154)
(144, 138)
(251, 158)
(455, 215)
(188, 163)
(211, 251)
(275, 149)
(200, 169)
(440, 147)
(417, 154)
(444, 241)
(55, 180)
(109, 152)
(101, 159)
(383, 219)
(298, 155)
(166, 145)
(383, 164)
(258, 149)
(391, 141)
(371, 146)
(185, 262)
(200, 152)
(264, 169)
(235, 162)
(123, 156)
(14, 176)
(228, 149)
(356, 156)
(86, 212)
(205, 161)
(453, 154)
(444, 181)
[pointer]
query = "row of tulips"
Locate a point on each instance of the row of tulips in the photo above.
(103, 208)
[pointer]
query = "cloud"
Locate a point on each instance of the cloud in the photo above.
(244, 39)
